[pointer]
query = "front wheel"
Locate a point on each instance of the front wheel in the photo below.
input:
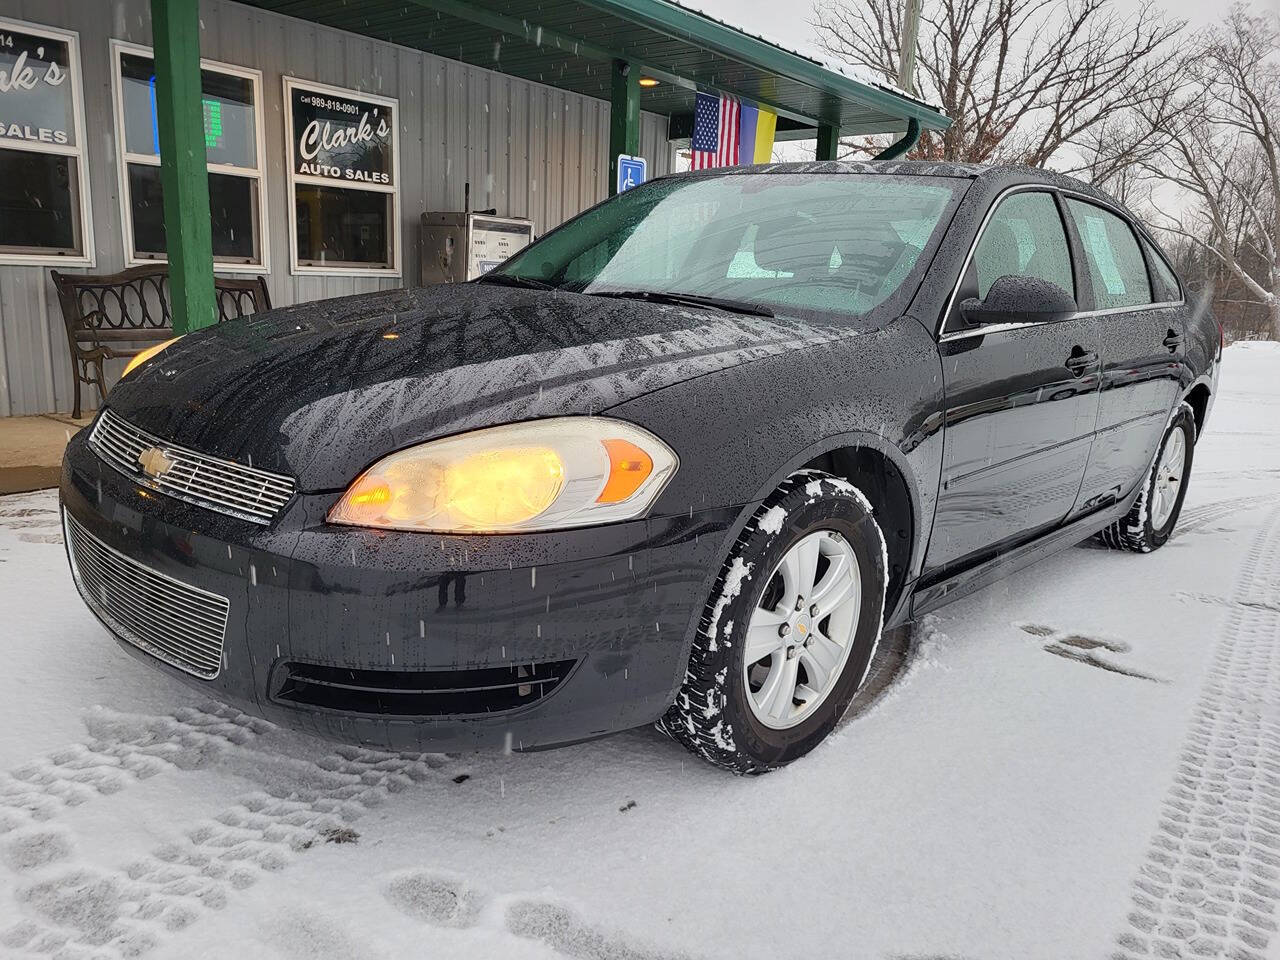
(1150, 522)
(792, 623)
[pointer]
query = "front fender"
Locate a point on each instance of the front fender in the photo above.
(739, 432)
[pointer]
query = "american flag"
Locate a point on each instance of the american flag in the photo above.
(715, 131)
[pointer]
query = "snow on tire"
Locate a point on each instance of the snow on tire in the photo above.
(771, 670)
(1150, 521)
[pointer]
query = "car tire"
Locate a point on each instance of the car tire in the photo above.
(736, 714)
(1150, 521)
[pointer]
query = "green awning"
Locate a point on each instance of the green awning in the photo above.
(570, 44)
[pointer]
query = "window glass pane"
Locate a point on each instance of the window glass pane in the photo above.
(1116, 267)
(339, 227)
(39, 203)
(146, 206)
(229, 132)
(233, 203)
(1166, 281)
(232, 207)
(137, 89)
(1024, 238)
(826, 244)
(37, 105)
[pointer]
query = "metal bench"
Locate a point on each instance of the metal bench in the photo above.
(121, 314)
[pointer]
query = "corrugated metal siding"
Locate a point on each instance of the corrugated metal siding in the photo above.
(528, 150)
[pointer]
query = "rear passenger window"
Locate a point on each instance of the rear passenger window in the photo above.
(1024, 237)
(1111, 251)
(1163, 278)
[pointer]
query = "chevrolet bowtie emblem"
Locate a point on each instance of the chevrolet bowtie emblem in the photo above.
(154, 463)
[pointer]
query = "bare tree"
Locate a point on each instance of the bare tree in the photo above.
(1024, 81)
(1223, 149)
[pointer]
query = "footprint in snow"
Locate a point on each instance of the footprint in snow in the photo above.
(560, 928)
(33, 848)
(84, 911)
(34, 523)
(40, 537)
(443, 899)
(302, 934)
(1082, 648)
(436, 898)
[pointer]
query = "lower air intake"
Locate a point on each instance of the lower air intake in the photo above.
(171, 620)
(418, 693)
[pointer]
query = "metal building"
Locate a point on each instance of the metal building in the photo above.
(526, 102)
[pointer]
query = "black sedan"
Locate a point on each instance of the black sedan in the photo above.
(681, 460)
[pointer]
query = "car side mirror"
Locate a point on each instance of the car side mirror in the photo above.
(1017, 299)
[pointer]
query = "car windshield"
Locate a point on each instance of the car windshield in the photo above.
(790, 243)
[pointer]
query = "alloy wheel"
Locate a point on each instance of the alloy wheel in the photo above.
(802, 630)
(1168, 479)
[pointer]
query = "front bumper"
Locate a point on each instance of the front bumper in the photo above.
(619, 603)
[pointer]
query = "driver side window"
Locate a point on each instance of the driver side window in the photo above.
(1024, 237)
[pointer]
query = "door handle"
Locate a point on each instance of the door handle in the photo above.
(1081, 361)
(1173, 340)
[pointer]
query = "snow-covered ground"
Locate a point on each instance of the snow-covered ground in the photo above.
(1080, 761)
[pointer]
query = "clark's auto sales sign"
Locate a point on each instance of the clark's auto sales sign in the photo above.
(37, 103)
(348, 139)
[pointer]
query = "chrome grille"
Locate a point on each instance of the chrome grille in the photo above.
(211, 482)
(180, 624)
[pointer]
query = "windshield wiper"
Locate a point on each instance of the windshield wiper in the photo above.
(511, 280)
(687, 300)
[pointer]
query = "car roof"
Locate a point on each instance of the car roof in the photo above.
(998, 175)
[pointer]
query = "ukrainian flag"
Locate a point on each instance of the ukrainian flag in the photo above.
(757, 126)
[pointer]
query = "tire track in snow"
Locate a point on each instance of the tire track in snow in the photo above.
(1210, 881)
(85, 911)
(1197, 517)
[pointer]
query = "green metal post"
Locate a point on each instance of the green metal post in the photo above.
(175, 29)
(828, 142)
(624, 116)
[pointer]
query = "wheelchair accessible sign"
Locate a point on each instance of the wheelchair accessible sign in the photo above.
(631, 172)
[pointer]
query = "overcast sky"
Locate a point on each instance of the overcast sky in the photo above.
(788, 23)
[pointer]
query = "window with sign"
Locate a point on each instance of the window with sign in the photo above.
(230, 98)
(44, 197)
(343, 172)
(1116, 266)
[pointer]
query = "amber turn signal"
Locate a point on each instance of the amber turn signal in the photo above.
(629, 466)
(369, 497)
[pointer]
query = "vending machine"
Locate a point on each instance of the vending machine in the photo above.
(462, 246)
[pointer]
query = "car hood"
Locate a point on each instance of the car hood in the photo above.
(320, 390)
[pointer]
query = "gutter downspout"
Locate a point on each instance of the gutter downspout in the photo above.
(900, 147)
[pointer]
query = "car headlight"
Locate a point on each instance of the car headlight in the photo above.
(146, 355)
(520, 477)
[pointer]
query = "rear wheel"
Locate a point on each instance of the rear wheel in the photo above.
(786, 637)
(1150, 522)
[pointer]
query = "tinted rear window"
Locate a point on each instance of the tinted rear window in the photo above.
(1113, 257)
(1165, 281)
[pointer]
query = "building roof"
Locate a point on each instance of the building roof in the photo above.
(569, 44)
